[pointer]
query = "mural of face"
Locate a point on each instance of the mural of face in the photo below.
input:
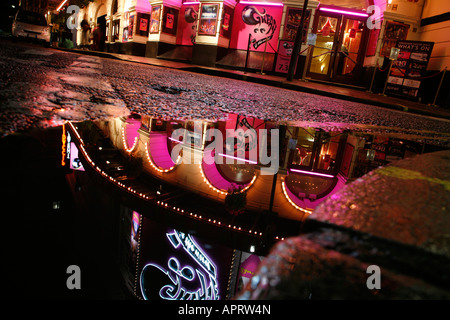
(264, 25)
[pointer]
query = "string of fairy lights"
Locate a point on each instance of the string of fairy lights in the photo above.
(125, 144)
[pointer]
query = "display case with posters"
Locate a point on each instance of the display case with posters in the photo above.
(155, 19)
(170, 20)
(142, 24)
(208, 19)
(128, 27)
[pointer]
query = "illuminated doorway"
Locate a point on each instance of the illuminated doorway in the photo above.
(339, 52)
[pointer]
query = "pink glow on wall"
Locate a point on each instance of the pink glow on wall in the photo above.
(159, 151)
(262, 3)
(346, 12)
(131, 132)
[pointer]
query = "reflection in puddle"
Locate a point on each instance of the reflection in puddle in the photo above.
(202, 157)
(133, 173)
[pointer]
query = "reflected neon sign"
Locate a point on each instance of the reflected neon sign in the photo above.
(186, 282)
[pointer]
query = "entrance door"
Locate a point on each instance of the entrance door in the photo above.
(340, 47)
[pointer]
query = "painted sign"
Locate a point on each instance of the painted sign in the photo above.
(259, 23)
(179, 266)
(409, 68)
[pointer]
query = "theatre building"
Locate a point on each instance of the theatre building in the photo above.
(347, 42)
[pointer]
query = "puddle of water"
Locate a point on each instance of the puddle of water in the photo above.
(123, 168)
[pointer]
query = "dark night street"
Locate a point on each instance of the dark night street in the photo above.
(49, 226)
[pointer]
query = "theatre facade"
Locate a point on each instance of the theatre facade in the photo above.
(343, 41)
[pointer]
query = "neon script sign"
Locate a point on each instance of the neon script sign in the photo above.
(184, 282)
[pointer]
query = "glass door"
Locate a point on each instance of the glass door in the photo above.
(339, 51)
(323, 55)
(349, 51)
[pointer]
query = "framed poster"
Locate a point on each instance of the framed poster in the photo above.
(170, 20)
(142, 22)
(227, 21)
(293, 18)
(208, 19)
(393, 32)
(155, 18)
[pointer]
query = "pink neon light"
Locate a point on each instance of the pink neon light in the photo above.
(313, 173)
(60, 6)
(344, 12)
(170, 138)
(189, 3)
(273, 4)
(236, 158)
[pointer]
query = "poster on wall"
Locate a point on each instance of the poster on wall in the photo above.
(259, 23)
(393, 32)
(175, 265)
(170, 20)
(227, 22)
(208, 19)
(187, 29)
(409, 68)
(155, 17)
(293, 17)
(142, 22)
(284, 56)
